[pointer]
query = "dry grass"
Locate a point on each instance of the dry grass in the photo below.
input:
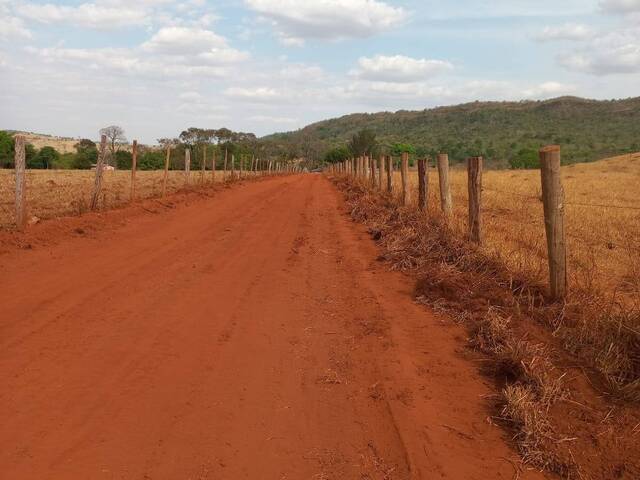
(498, 290)
(603, 241)
(55, 193)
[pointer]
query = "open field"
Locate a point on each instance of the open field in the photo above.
(55, 193)
(602, 221)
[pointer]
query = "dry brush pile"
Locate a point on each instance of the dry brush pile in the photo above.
(568, 373)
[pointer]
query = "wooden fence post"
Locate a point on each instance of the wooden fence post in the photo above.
(241, 162)
(233, 167)
(423, 179)
(21, 182)
(166, 170)
(553, 200)
(372, 163)
(134, 166)
(97, 187)
(380, 171)
(187, 165)
(404, 172)
(443, 180)
(474, 174)
(225, 165)
(213, 167)
(204, 164)
(389, 173)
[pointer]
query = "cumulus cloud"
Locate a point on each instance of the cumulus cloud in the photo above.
(549, 89)
(399, 68)
(295, 21)
(568, 31)
(620, 6)
(90, 15)
(255, 94)
(609, 53)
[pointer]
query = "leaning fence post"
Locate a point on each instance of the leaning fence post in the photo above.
(21, 184)
(474, 173)
(443, 180)
(166, 170)
(134, 166)
(422, 184)
(98, 180)
(553, 200)
(404, 172)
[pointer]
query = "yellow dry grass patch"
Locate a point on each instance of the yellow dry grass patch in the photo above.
(55, 193)
(602, 220)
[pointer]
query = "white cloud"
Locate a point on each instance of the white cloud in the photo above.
(295, 21)
(255, 94)
(608, 53)
(620, 6)
(549, 89)
(399, 68)
(568, 31)
(272, 119)
(11, 26)
(89, 15)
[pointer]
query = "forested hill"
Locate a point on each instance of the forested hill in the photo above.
(503, 132)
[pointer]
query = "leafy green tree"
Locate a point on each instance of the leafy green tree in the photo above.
(338, 154)
(86, 154)
(124, 159)
(6, 149)
(47, 157)
(151, 160)
(363, 143)
(525, 158)
(398, 149)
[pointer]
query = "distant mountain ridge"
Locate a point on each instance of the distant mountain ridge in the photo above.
(501, 131)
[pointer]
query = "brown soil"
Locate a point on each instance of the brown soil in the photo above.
(246, 333)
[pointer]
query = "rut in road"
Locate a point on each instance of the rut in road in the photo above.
(251, 334)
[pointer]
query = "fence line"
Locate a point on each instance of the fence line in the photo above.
(552, 195)
(97, 197)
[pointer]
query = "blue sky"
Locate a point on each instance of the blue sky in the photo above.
(156, 67)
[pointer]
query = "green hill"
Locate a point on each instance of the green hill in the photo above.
(503, 132)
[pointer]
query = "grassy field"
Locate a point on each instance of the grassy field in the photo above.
(55, 193)
(602, 220)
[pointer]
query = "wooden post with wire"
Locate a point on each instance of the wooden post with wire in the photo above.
(474, 174)
(445, 189)
(204, 164)
(97, 186)
(224, 172)
(389, 173)
(213, 166)
(372, 163)
(404, 172)
(134, 166)
(553, 200)
(233, 167)
(423, 184)
(380, 171)
(20, 159)
(187, 166)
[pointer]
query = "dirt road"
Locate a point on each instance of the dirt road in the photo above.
(246, 335)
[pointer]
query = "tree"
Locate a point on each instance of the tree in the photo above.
(338, 154)
(6, 150)
(124, 159)
(86, 154)
(115, 138)
(47, 157)
(398, 149)
(363, 143)
(525, 158)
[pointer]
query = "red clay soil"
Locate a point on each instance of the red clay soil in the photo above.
(248, 334)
